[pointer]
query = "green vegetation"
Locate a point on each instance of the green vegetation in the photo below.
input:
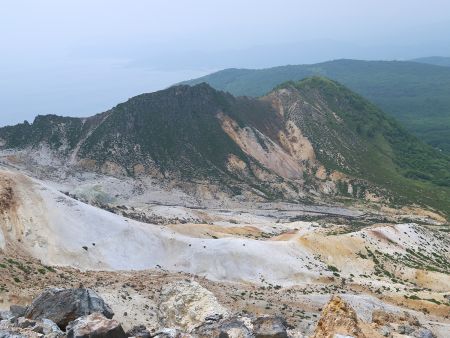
(375, 147)
(49, 268)
(414, 297)
(416, 94)
(176, 132)
(51, 128)
(434, 60)
(425, 261)
(333, 268)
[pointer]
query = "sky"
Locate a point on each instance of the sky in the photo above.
(82, 57)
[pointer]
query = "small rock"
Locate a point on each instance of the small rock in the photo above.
(47, 327)
(385, 331)
(403, 318)
(405, 329)
(424, 333)
(95, 326)
(270, 327)
(10, 334)
(235, 328)
(139, 331)
(24, 323)
(171, 333)
(295, 333)
(18, 310)
(213, 318)
(6, 315)
(232, 327)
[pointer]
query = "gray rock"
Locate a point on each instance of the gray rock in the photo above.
(214, 318)
(139, 331)
(18, 310)
(270, 327)
(405, 329)
(171, 333)
(23, 323)
(65, 305)
(424, 333)
(385, 331)
(10, 334)
(48, 328)
(95, 325)
(6, 315)
(233, 327)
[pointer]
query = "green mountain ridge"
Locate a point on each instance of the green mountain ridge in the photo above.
(302, 140)
(434, 60)
(391, 157)
(416, 94)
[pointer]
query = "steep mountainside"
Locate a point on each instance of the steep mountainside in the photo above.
(416, 94)
(314, 139)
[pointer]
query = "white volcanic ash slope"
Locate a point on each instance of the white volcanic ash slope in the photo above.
(61, 231)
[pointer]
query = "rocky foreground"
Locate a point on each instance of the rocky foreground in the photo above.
(186, 309)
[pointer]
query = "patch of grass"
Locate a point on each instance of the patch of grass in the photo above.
(332, 268)
(49, 268)
(433, 301)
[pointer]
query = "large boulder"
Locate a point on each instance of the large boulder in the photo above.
(95, 326)
(186, 304)
(338, 319)
(65, 305)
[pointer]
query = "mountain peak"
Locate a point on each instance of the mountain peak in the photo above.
(313, 82)
(320, 140)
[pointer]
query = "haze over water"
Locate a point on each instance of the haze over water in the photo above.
(82, 57)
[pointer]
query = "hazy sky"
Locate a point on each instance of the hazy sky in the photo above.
(81, 57)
